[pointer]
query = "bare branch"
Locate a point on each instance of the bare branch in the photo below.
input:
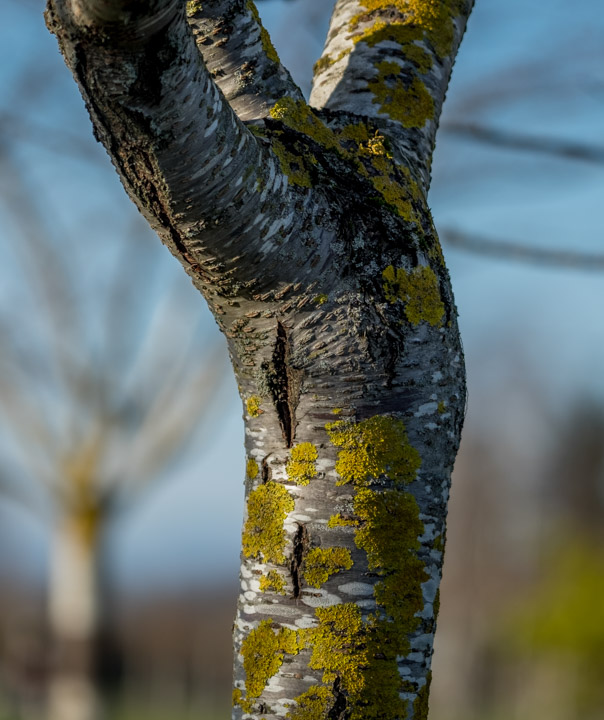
(520, 252)
(391, 60)
(193, 169)
(517, 141)
(239, 54)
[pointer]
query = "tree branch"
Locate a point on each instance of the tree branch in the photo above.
(554, 147)
(392, 60)
(239, 54)
(520, 252)
(210, 189)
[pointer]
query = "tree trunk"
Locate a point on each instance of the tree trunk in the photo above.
(73, 614)
(309, 233)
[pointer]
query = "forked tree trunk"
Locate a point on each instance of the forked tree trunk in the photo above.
(309, 233)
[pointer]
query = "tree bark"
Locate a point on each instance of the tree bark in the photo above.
(309, 234)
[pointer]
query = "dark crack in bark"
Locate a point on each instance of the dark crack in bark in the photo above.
(265, 470)
(340, 709)
(284, 384)
(300, 547)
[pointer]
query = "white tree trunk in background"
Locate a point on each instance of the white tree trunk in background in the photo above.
(73, 614)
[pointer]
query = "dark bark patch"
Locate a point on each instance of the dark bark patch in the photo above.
(266, 470)
(301, 544)
(284, 385)
(340, 709)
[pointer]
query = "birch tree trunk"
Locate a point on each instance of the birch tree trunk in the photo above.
(308, 231)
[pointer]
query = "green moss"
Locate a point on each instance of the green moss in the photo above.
(321, 563)
(314, 704)
(272, 581)
(302, 466)
(409, 103)
(372, 448)
(265, 38)
(193, 6)
(252, 469)
(263, 650)
(263, 533)
(420, 704)
(252, 405)
(419, 291)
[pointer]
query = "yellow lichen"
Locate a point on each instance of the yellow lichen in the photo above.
(420, 704)
(314, 704)
(252, 405)
(388, 533)
(272, 581)
(265, 38)
(320, 299)
(347, 649)
(263, 533)
(436, 604)
(419, 290)
(193, 6)
(339, 520)
(292, 165)
(252, 469)
(403, 35)
(363, 655)
(321, 563)
(337, 645)
(372, 448)
(433, 19)
(408, 102)
(302, 466)
(299, 116)
(439, 543)
(263, 650)
(442, 406)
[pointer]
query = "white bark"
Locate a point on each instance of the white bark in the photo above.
(313, 244)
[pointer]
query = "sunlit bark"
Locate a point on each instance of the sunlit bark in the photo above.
(309, 234)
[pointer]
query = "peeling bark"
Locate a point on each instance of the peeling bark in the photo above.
(309, 233)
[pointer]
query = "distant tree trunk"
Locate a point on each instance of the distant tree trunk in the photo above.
(309, 233)
(74, 624)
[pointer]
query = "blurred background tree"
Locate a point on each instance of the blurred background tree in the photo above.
(97, 381)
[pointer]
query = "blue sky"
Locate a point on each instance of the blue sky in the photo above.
(531, 67)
